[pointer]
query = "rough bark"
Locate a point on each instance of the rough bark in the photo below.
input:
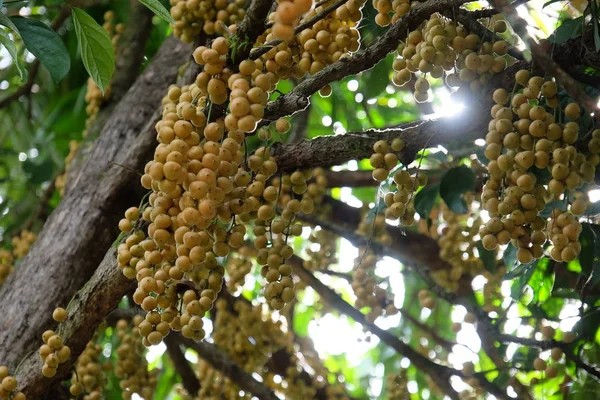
(77, 235)
(87, 309)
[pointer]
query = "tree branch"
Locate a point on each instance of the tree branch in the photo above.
(362, 60)
(440, 374)
(253, 25)
(549, 344)
(78, 233)
(190, 381)
(220, 361)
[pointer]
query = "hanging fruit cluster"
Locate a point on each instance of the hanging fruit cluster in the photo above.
(527, 136)
(441, 46)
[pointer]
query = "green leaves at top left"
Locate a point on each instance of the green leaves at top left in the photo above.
(45, 45)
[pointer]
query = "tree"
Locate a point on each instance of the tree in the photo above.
(231, 154)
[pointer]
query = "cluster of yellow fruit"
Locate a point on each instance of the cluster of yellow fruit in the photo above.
(326, 254)
(193, 17)
(54, 352)
(20, 247)
(397, 9)
(88, 378)
(365, 284)
(314, 47)
(8, 386)
(205, 192)
(440, 45)
(286, 17)
(6, 264)
(22, 243)
(457, 247)
(61, 180)
(400, 203)
(524, 139)
(255, 337)
(131, 366)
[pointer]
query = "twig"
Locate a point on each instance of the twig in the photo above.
(182, 365)
(549, 344)
(439, 373)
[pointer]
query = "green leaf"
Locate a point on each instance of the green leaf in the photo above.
(158, 9)
(12, 51)
(425, 199)
(46, 45)
(487, 256)
(39, 172)
(454, 184)
(516, 289)
(5, 21)
(569, 29)
(375, 80)
(96, 48)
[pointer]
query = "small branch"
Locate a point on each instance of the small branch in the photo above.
(342, 275)
(252, 26)
(362, 60)
(220, 361)
(351, 179)
(445, 343)
(440, 374)
(541, 57)
(182, 365)
(549, 344)
(328, 151)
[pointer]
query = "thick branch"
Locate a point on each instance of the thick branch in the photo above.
(190, 381)
(78, 233)
(89, 306)
(220, 361)
(327, 151)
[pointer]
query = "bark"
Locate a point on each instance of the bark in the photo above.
(87, 309)
(77, 235)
